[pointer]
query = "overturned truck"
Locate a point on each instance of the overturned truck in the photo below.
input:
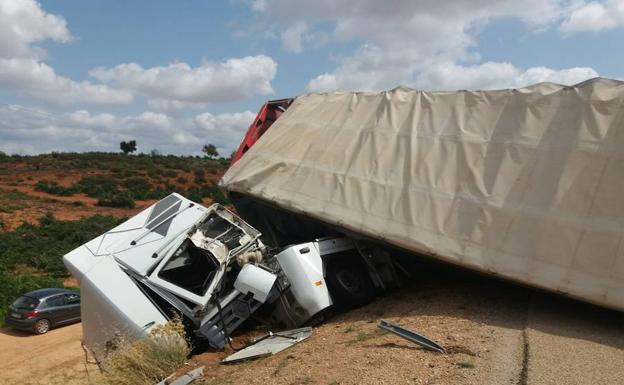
(523, 184)
(208, 266)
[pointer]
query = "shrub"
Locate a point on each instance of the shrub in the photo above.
(194, 194)
(215, 194)
(154, 172)
(138, 188)
(42, 246)
(170, 173)
(119, 200)
(97, 186)
(52, 187)
(162, 191)
(200, 176)
(129, 173)
(148, 360)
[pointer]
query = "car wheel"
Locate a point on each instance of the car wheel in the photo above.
(349, 283)
(42, 326)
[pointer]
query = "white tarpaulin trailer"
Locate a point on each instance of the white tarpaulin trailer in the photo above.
(526, 184)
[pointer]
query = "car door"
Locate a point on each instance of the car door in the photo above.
(72, 304)
(53, 309)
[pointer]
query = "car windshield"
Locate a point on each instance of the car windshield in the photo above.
(26, 303)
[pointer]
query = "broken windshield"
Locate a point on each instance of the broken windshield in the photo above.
(217, 227)
(190, 268)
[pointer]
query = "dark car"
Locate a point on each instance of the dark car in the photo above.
(42, 309)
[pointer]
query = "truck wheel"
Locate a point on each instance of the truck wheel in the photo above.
(349, 283)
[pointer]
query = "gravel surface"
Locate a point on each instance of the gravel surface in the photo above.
(495, 333)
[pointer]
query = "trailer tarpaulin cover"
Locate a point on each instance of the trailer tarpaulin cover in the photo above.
(527, 184)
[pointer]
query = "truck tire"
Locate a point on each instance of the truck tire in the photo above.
(349, 283)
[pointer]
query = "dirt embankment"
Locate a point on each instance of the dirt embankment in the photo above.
(495, 333)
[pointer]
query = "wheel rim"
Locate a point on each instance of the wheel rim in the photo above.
(42, 326)
(349, 280)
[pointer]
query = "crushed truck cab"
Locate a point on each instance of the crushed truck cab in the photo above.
(179, 258)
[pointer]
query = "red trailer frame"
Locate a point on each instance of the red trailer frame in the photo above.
(268, 114)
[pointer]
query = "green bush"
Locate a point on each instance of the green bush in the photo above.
(42, 246)
(130, 173)
(97, 186)
(200, 176)
(215, 194)
(194, 194)
(52, 187)
(154, 172)
(138, 188)
(119, 200)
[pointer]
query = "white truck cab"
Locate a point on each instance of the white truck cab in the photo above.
(208, 265)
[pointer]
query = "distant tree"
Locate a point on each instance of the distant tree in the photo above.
(155, 152)
(210, 150)
(128, 147)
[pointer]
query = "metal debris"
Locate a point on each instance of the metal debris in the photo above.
(411, 336)
(186, 378)
(270, 344)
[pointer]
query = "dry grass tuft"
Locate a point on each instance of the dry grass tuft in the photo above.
(148, 360)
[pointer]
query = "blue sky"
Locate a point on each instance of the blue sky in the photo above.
(84, 75)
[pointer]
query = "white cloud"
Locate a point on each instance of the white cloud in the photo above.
(22, 129)
(491, 75)
(423, 44)
(292, 36)
(174, 107)
(23, 23)
(83, 118)
(149, 120)
(38, 80)
(594, 17)
(225, 130)
(211, 82)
